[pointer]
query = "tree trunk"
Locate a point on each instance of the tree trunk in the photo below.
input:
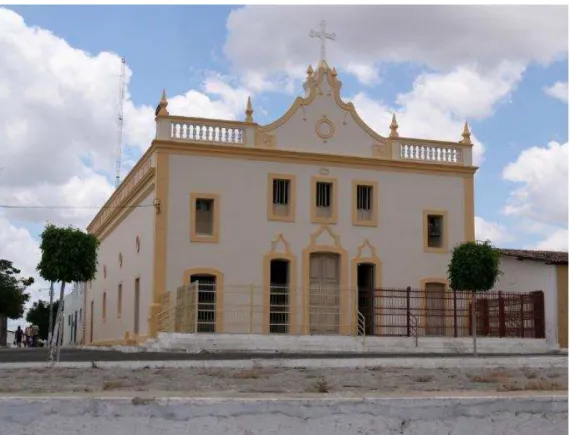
(474, 323)
(50, 328)
(56, 341)
(3, 330)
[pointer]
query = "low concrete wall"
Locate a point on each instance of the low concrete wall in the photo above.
(405, 416)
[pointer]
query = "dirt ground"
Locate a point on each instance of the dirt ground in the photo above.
(376, 380)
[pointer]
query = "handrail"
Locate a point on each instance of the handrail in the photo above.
(361, 324)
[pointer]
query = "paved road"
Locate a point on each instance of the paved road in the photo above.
(8, 355)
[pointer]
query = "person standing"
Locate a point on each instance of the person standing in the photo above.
(19, 336)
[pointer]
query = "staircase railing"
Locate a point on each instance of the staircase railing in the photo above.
(361, 326)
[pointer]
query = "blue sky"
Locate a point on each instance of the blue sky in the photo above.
(210, 58)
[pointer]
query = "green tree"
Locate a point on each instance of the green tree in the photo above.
(68, 255)
(13, 296)
(38, 315)
(474, 267)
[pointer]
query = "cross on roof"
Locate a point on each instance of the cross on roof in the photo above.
(323, 36)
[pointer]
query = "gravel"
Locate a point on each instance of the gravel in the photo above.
(374, 380)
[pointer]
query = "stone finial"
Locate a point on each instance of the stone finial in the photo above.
(310, 71)
(394, 127)
(249, 111)
(333, 72)
(161, 108)
(466, 135)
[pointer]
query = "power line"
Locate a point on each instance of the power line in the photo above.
(70, 207)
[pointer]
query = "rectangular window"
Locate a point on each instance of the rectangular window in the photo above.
(204, 217)
(435, 231)
(364, 203)
(119, 300)
(104, 310)
(324, 203)
(281, 198)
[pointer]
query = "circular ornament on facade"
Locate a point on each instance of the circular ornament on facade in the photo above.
(324, 171)
(324, 128)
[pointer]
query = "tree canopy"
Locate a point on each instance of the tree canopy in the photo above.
(68, 255)
(38, 315)
(13, 296)
(474, 266)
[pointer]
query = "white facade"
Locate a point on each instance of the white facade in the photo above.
(527, 276)
(73, 316)
(320, 138)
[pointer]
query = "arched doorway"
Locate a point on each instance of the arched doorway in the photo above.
(206, 302)
(279, 296)
(365, 281)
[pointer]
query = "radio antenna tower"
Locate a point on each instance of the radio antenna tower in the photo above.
(120, 125)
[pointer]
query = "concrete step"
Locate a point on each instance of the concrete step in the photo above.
(272, 343)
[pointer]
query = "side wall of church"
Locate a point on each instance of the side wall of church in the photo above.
(110, 323)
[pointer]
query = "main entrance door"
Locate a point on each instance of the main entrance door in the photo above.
(324, 294)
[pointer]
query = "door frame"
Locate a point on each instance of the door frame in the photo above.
(219, 291)
(366, 253)
(284, 254)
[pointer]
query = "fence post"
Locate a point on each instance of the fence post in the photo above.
(522, 315)
(408, 318)
(455, 313)
(502, 320)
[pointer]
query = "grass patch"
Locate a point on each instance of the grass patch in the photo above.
(423, 378)
(247, 374)
(320, 386)
(529, 373)
(533, 385)
(112, 385)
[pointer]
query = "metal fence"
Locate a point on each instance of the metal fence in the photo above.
(202, 307)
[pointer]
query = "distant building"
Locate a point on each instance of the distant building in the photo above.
(73, 316)
(527, 271)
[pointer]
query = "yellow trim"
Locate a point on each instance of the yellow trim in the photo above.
(336, 248)
(334, 199)
(292, 197)
(119, 300)
(445, 228)
(219, 291)
(469, 204)
(160, 238)
(434, 280)
(293, 303)
(370, 259)
(562, 304)
(373, 221)
(202, 238)
(309, 158)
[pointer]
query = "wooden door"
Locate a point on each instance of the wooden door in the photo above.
(435, 309)
(324, 294)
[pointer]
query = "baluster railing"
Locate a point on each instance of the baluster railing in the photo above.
(195, 131)
(444, 154)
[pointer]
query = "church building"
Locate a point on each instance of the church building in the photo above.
(255, 225)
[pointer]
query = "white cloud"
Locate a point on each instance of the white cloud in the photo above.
(558, 90)
(542, 177)
(439, 103)
(366, 74)
(493, 231)
(58, 121)
(440, 37)
(555, 241)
